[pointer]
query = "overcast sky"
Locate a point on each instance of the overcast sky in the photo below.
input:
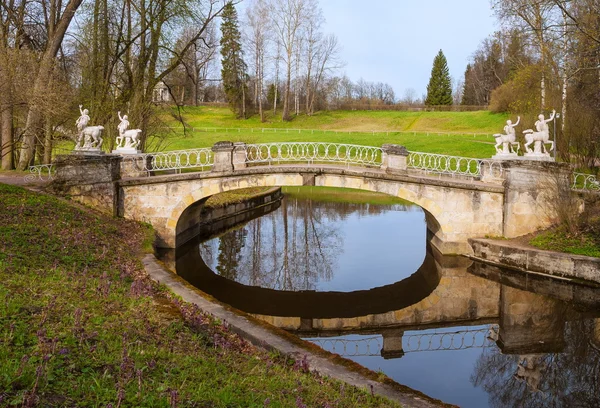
(395, 41)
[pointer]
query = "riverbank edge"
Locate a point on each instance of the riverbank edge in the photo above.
(274, 339)
(515, 255)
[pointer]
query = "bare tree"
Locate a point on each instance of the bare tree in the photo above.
(537, 16)
(257, 16)
(288, 17)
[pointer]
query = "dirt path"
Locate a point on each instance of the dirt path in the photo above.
(19, 179)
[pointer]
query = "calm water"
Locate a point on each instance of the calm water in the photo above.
(361, 281)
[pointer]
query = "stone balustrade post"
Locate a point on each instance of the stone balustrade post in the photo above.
(394, 158)
(89, 179)
(136, 165)
(239, 155)
(392, 344)
(223, 157)
(534, 190)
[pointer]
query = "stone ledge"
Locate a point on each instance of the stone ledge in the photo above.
(270, 340)
(556, 264)
(318, 170)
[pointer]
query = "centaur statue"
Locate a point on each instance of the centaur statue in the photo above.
(88, 137)
(541, 136)
(508, 141)
(128, 138)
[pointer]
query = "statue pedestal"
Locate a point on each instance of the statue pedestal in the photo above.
(93, 151)
(126, 150)
(507, 156)
(538, 157)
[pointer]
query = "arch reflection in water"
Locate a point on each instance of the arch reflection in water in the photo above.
(323, 246)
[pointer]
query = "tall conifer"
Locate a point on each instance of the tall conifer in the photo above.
(439, 90)
(233, 71)
(469, 96)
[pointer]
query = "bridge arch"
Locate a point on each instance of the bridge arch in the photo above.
(187, 210)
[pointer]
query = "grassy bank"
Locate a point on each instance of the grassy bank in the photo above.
(583, 238)
(343, 195)
(80, 325)
(234, 196)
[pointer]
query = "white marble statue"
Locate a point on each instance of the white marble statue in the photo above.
(124, 124)
(89, 138)
(128, 139)
(541, 137)
(508, 140)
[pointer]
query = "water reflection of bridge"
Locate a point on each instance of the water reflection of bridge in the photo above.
(395, 343)
(527, 314)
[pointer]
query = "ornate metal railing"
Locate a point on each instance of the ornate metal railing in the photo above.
(40, 172)
(585, 182)
(313, 152)
(175, 160)
(454, 165)
(436, 340)
(319, 152)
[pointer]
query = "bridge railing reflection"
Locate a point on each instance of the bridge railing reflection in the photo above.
(396, 343)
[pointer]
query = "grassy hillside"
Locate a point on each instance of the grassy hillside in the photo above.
(82, 325)
(358, 121)
(454, 133)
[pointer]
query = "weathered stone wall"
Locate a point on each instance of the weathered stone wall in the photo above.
(88, 179)
(533, 190)
(537, 260)
(197, 218)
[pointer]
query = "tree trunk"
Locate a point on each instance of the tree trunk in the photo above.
(286, 96)
(7, 133)
(260, 89)
(47, 143)
(34, 116)
(6, 120)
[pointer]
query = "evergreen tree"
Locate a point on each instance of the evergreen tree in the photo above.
(439, 90)
(233, 71)
(272, 95)
(469, 92)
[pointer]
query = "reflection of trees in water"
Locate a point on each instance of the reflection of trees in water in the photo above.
(292, 248)
(567, 379)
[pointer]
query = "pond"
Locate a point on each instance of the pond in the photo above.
(353, 273)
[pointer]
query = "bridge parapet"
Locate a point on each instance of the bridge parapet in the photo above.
(227, 156)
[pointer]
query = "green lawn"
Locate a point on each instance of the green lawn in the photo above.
(453, 133)
(360, 121)
(82, 325)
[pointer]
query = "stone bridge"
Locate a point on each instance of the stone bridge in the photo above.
(508, 199)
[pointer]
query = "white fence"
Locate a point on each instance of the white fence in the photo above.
(454, 165)
(313, 152)
(585, 182)
(178, 160)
